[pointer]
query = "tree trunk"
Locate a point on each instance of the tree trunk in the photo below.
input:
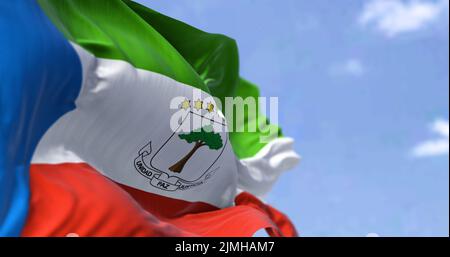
(178, 167)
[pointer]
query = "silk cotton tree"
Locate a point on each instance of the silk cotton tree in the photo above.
(200, 138)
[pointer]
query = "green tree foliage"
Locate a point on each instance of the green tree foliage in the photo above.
(204, 136)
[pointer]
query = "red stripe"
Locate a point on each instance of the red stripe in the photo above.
(166, 208)
(248, 216)
(74, 198)
(283, 226)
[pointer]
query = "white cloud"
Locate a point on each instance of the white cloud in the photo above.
(393, 17)
(435, 147)
(352, 67)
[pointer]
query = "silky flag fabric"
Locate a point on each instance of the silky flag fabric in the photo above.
(88, 147)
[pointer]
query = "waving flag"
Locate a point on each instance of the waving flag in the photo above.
(88, 143)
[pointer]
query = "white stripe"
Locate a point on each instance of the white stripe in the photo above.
(259, 173)
(121, 108)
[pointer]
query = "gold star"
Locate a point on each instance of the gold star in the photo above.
(210, 107)
(186, 104)
(198, 105)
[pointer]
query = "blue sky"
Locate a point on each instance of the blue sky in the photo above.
(364, 89)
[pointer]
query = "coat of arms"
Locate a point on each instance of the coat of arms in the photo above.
(185, 159)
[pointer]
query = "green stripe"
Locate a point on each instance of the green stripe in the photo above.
(110, 29)
(214, 57)
(125, 30)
